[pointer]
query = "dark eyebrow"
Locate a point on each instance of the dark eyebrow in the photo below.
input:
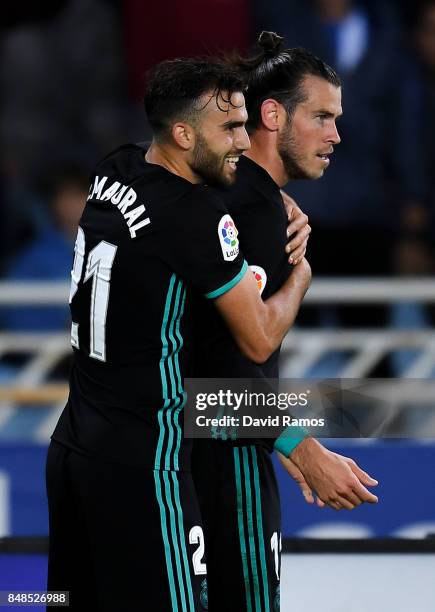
(327, 113)
(233, 124)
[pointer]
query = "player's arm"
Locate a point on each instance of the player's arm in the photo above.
(259, 327)
(216, 268)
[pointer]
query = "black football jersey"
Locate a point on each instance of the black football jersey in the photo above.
(256, 206)
(144, 235)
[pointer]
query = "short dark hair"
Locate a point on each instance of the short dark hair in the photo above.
(176, 86)
(278, 73)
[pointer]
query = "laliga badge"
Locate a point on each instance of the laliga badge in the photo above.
(227, 232)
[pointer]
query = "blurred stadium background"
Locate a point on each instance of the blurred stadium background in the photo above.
(72, 75)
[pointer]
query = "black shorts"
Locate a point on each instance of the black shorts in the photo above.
(241, 515)
(123, 538)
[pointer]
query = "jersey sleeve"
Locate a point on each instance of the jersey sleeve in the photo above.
(204, 246)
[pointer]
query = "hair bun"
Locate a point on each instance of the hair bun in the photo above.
(271, 43)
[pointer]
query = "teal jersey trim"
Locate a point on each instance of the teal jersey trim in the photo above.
(229, 285)
(165, 346)
(174, 538)
(168, 496)
(260, 529)
(240, 519)
(165, 350)
(174, 385)
(251, 535)
(162, 432)
(180, 382)
(289, 439)
(183, 540)
(176, 465)
(167, 546)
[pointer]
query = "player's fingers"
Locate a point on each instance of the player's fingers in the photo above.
(307, 493)
(352, 498)
(298, 224)
(362, 476)
(346, 503)
(293, 471)
(363, 494)
(295, 262)
(297, 255)
(335, 505)
(294, 209)
(289, 203)
(299, 239)
(320, 503)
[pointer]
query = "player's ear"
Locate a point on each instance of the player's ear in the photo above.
(183, 135)
(270, 112)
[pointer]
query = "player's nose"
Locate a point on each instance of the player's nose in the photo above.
(334, 136)
(242, 141)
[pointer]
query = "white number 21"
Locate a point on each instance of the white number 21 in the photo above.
(99, 268)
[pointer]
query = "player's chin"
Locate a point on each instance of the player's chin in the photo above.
(315, 173)
(228, 177)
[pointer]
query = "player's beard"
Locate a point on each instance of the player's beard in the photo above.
(291, 157)
(209, 165)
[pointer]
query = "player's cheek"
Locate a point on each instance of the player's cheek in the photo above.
(229, 143)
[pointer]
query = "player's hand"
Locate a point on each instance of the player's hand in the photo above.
(292, 469)
(298, 229)
(337, 480)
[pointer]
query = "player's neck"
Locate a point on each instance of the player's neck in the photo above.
(166, 156)
(264, 152)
